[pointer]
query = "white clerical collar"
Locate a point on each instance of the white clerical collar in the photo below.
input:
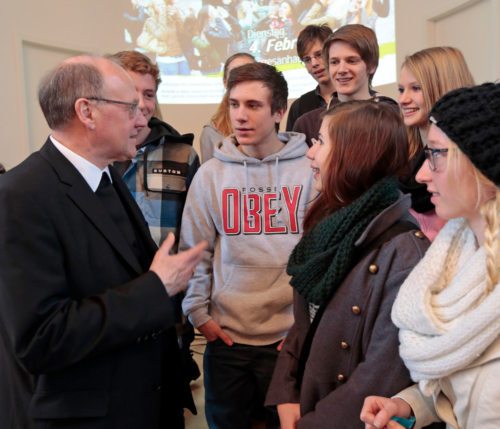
(90, 172)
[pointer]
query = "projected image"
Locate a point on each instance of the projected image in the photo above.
(191, 39)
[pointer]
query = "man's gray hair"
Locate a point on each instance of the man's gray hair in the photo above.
(61, 87)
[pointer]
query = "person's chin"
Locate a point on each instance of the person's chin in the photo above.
(442, 213)
(318, 186)
(344, 92)
(343, 86)
(319, 77)
(434, 199)
(244, 137)
(412, 118)
(131, 152)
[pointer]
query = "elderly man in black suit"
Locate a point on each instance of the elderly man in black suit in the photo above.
(86, 317)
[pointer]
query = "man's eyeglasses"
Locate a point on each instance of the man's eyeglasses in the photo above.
(434, 156)
(132, 107)
(317, 56)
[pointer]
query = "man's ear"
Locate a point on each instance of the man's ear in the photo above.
(85, 113)
(278, 115)
(372, 70)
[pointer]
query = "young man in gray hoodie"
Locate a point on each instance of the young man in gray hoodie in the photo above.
(248, 202)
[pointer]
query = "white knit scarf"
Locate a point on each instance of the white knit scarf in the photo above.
(444, 320)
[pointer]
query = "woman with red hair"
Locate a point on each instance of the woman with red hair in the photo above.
(357, 249)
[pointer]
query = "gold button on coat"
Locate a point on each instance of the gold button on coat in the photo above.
(419, 234)
(355, 309)
(341, 377)
(344, 345)
(373, 268)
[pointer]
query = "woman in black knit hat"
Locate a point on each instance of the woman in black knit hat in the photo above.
(357, 249)
(448, 310)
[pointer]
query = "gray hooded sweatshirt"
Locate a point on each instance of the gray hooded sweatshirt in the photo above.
(251, 213)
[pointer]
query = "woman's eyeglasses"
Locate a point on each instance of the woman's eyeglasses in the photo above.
(434, 156)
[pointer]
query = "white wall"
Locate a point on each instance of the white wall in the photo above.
(35, 35)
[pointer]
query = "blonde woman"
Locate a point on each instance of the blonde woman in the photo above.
(424, 78)
(448, 309)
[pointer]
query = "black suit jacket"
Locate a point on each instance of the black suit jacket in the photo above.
(86, 336)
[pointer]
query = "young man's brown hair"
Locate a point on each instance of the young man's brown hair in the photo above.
(360, 38)
(309, 35)
(268, 75)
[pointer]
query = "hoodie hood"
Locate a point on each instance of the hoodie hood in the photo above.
(161, 130)
(295, 147)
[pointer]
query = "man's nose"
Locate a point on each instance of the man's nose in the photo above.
(140, 119)
(241, 114)
(342, 67)
(316, 60)
(142, 105)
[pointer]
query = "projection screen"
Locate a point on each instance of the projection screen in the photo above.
(191, 39)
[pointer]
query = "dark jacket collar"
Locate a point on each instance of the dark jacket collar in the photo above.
(162, 131)
(77, 190)
(385, 219)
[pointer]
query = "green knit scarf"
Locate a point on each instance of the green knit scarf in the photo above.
(324, 256)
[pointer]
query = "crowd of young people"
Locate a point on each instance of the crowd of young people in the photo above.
(363, 277)
(350, 270)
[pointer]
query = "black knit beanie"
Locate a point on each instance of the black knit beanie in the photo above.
(470, 117)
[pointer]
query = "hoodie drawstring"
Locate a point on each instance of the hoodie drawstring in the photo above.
(279, 218)
(245, 206)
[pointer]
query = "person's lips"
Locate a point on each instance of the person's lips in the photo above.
(315, 171)
(319, 73)
(343, 80)
(409, 111)
(243, 130)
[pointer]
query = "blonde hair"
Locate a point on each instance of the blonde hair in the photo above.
(221, 120)
(488, 205)
(490, 211)
(438, 70)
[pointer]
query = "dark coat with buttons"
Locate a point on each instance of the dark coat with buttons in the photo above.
(87, 334)
(354, 351)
